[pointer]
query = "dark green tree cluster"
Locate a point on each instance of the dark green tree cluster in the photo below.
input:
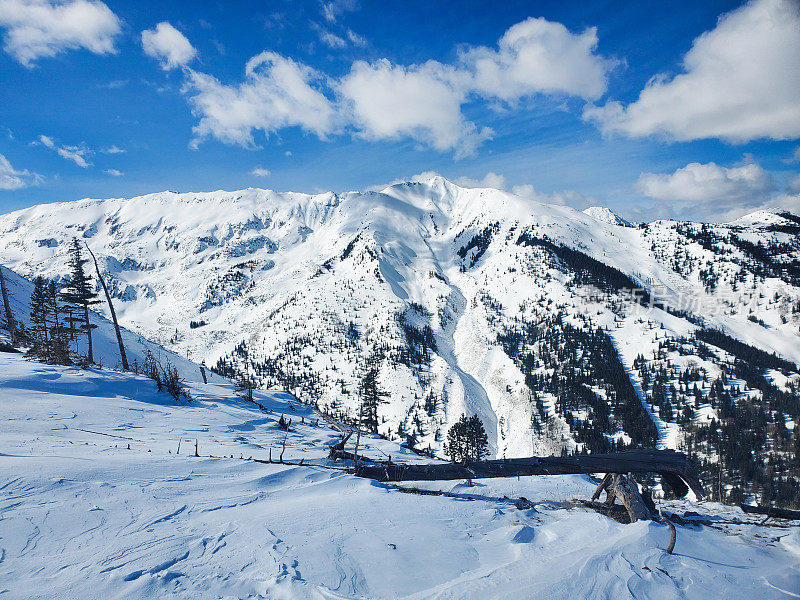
(569, 362)
(49, 338)
(78, 295)
(467, 440)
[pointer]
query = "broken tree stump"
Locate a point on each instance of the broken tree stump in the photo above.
(337, 450)
(601, 486)
(624, 488)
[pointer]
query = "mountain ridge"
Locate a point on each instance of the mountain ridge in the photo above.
(459, 294)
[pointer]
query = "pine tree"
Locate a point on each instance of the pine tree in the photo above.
(78, 295)
(39, 323)
(59, 350)
(372, 396)
(467, 440)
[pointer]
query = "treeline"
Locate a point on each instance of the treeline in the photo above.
(737, 424)
(59, 315)
(570, 363)
(479, 243)
(588, 270)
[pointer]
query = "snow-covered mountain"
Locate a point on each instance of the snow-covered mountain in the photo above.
(606, 215)
(471, 300)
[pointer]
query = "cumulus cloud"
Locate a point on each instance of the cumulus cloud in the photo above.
(708, 182)
(538, 56)
(113, 149)
(76, 154)
(168, 45)
(709, 190)
(741, 81)
(277, 92)
(114, 172)
(261, 172)
(490, 180)
(380, 100)
(42, 28)
(11, 178)
(422, 102)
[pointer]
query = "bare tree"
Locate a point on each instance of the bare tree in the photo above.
(123, 356)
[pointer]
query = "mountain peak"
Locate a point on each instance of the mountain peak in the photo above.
(606, 215)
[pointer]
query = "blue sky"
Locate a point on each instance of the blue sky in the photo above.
(654, 109)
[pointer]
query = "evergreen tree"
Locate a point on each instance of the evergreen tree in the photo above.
(467, 440)
(372, 396)
(39, 323)
(48, 339)
(78, 295)
(58, 343)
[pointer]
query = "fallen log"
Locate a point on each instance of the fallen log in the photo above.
(777, 513)
(677, 468)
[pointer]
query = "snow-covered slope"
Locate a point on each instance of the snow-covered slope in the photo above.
(97, 503)
(104, 339)
(606, 215)
(470, 300)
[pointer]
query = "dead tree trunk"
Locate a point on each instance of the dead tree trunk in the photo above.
(769, 511)
(122, 355)
(678, 468)
(624, 488)
(12, 329)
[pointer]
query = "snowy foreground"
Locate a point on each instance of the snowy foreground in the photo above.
(83, 516)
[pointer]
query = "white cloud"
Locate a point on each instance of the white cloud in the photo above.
(12, 179)
(490, 180)
(277, 92)
(356, 39)
(261, 172)
(384, 101)
(333, 9)
(422, 102)
(538, 56)
(707, 183)
(794, 184)
(168, 45)
(708, 190)
(76, 154)
(42, 28)
(114, 172)
(113, 149)
(327, 37)
(741, 81)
